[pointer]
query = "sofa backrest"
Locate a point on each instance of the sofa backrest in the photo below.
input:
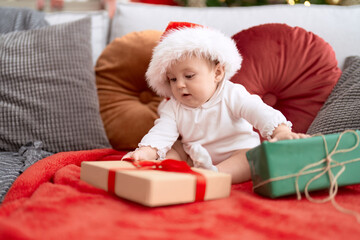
(337, 25)
(99, 27)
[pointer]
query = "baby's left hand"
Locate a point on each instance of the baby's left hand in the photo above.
(282, 132)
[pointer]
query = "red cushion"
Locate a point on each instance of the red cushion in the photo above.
(291, 69)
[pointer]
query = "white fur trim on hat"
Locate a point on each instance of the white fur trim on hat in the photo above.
(201, 41)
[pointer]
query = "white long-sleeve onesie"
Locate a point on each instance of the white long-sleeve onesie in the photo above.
(222, 125)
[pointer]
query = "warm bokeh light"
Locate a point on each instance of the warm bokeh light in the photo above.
(291, 2)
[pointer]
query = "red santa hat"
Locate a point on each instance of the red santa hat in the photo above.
(182, 38)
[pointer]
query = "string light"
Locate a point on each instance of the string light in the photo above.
(307, 3)
(291, 2)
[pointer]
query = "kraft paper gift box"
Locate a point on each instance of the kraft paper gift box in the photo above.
(278, 167)
(154, 187)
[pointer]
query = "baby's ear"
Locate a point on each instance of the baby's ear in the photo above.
(219, 72)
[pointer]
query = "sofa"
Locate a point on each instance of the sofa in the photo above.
(73, 90)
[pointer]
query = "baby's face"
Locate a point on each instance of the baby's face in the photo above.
(194, 80)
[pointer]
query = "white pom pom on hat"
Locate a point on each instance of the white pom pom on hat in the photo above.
(182, 38)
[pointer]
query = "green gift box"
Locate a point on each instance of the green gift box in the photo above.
(278, 168)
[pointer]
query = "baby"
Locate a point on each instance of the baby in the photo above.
(206, 119)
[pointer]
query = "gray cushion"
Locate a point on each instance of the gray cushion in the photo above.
(17, 19)
(341, 110)
(12, 164)
(47, 89)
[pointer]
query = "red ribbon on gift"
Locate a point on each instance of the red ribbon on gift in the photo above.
(168, 165)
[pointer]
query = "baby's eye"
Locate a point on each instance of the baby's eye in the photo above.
(172, 79)
(189, 76)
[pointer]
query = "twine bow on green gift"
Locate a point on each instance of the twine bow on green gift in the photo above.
(329, 164)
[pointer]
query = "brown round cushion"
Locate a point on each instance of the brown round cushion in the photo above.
(128, 107)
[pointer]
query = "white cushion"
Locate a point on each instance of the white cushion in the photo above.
(338, 25)
(99, 27)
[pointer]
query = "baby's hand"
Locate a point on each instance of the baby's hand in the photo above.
(283, 132)
(143, 153)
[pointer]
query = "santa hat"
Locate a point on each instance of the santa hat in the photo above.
(182, 38)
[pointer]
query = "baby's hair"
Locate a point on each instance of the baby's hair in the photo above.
(198, 55)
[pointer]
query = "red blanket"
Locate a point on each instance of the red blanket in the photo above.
(48, 201)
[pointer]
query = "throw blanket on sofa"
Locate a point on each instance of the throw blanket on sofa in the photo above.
(12, 164)
(49, 201)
